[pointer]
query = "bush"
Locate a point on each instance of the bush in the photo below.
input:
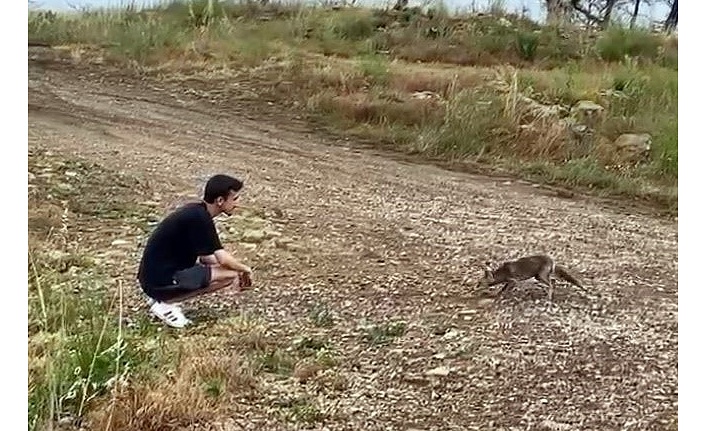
(527, 44)
(358, 28)
(474, 122)
(617, 43)
(665, 149)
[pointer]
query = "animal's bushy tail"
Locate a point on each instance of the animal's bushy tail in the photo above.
(564, 273)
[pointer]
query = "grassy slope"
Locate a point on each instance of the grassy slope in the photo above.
(356, 70)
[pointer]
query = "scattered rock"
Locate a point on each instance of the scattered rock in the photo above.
(119, 242)
(504, 22)
(567, 194)
(424, 95)
(588, 113)
(549, 424)
(306, 371)
(451, 334)
(283, 243)
(254, 236)
(66, 420)
(442, 371)
(632, 147)
(484, 302)
(272, 233)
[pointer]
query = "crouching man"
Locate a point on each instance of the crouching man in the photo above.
(184, 258)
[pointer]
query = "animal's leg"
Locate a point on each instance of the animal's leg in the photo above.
(510, 284)
(545, 277)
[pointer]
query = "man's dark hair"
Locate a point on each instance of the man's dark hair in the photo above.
(220, 186)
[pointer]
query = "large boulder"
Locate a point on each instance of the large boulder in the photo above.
(632, 147)
(588, 113)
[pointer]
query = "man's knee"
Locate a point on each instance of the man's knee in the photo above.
(220, 274)
(223, 283)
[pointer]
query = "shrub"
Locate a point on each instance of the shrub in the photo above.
(617, 43)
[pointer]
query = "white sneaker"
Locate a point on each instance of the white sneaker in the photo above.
(152, 301)
(170, 314)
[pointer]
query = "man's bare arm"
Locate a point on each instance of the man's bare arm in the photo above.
(227, 260)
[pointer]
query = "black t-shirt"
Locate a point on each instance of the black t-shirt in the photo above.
(176, 243)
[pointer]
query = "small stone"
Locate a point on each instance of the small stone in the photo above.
(253, 236)
(485, 302)
(423, 95)
(451, 335)
(442, 371)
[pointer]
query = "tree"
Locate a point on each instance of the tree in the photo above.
(558, 11)
(595, 12)
(671, 22)
(635, 11)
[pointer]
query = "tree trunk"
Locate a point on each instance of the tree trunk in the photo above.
(605, 22)
(557, 12)
(635, 11)
(601, 18)
(671, 22)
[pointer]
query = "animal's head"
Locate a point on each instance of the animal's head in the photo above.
(487, 277)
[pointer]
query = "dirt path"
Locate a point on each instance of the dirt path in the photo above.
(377, 239)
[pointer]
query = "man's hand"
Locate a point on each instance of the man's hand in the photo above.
(227, 260)
(245, 280)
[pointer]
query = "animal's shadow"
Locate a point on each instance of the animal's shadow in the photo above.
(533, 291)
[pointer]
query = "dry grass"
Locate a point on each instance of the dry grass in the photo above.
(380, 110)
(441, 82)
(197, 391)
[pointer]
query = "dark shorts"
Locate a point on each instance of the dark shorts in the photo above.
(185, 281)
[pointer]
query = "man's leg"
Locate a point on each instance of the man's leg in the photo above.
(200, 280)
(188, 283)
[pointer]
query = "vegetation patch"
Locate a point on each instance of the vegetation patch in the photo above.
(493, 88)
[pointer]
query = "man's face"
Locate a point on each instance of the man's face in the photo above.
(229, 204)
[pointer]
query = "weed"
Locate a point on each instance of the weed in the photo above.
(275, 361)
(309, 345)
(384, 333)
(301, 410)
(473, 122)
(320, 315)
(375, 69)
(527, 44)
